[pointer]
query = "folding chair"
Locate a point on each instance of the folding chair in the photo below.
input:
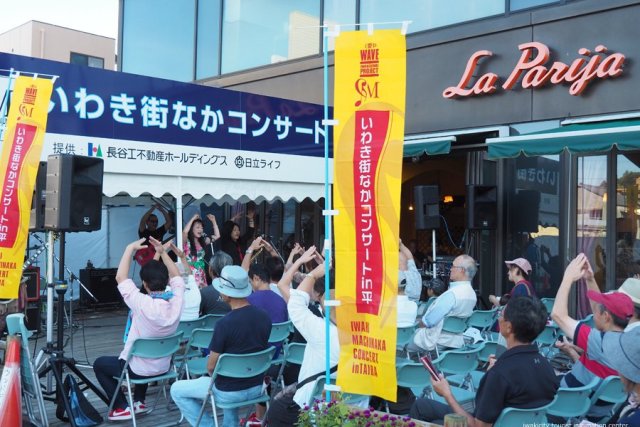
(30, 382)
(279, 335)
(238, 366)
(194, 362)
(548, 303)
(210, 320)
(571, 404)
(454, 326)
(423, 306)
(482, 320)
(510, 417)
(405, 336)
(547, 339)
(457, 365)
(149, 348)
(351, 399)
(187, 327)
(293, 354)
(488, 348)
(612, 391)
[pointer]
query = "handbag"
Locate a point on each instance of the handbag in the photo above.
(82, 411)
(283, 411)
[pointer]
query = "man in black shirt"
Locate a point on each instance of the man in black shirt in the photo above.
(149, 224)
(519, 378)
(210, 299)
(245, 329)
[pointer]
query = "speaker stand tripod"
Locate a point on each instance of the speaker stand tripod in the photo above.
(56, 361)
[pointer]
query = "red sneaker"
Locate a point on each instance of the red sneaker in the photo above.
(252, 421)
(140, 408)
(120, 414)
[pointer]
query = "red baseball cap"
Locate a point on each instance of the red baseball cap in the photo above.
(615, 302)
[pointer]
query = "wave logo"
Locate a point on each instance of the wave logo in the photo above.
(94, 150)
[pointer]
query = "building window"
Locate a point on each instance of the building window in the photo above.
(339, 12)
(208, 39)
(86, 60)
(526, 4)
(428, 14)
(159, 38)
(257, 33)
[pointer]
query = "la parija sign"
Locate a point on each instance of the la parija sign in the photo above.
(537, 73)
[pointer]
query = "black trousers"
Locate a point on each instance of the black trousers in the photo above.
(429, 410)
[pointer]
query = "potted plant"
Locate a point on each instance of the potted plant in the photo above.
(337, 413)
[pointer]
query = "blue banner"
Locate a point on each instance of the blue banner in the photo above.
(99, 103)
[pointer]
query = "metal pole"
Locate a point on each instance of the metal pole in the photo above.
(433, 252)
(50, 285)
(327, 221)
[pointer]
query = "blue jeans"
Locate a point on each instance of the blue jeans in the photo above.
(189, 395)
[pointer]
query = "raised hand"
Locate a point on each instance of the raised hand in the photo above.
(138, 244)
(576, 268)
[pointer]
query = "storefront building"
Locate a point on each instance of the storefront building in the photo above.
(486, 82)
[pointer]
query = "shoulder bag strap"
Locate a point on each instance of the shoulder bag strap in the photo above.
(315, 377)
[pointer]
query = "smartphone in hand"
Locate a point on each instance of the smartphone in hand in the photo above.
(429, 366)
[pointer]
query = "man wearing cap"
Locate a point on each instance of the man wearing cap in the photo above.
(623, 354)
(245, 329)
(611, 312)
(458, 301)
(519, 271)
(407, 310)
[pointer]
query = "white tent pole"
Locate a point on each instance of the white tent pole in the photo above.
(178, 223)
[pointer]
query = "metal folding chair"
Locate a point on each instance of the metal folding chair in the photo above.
(457, 365)
(194, 363)
(238, 366)
(483, 320)
(510, 417)
(404, 337)
(31, 389)
(548, 303)
(612, 391)
(187, 327)
(149, 348)
(210, 320)
(293, 354)
(572, 404)
(547, 339)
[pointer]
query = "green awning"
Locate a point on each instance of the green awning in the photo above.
(430, 146)
(577, 138)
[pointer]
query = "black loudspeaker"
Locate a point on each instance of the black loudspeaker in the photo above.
(101, 282)
(36, 220)
(524, 215)
(74, 193)
(33, 283)
(33, 320)
(482, 207)
(427, 206)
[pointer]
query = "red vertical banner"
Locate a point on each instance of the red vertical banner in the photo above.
(370, 73)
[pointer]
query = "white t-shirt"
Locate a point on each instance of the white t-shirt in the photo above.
(192, 298)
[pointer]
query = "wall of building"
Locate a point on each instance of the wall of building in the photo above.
(17, 40)
(437, 59)
(46, 41)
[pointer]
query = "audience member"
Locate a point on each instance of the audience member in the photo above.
(611, 312)
(192, 295)
(623, 355)
(197, 246)
(418, 255)
(409, 272)
(154, 315)
(519, 378)
(518, 273)
(407, 310)
(458, 301)
(245, 329)
(312, 328)
(211, 301)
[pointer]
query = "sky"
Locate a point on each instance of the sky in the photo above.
(93, 16)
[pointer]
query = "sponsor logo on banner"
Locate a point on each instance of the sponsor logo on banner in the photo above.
(367, 177)
(19, 162)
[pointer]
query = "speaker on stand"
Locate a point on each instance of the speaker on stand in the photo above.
(427, 211)
(74, 193)
(482, 207)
